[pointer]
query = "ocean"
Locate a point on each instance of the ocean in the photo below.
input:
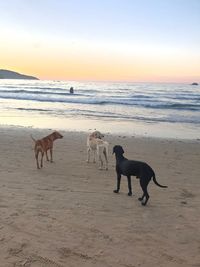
(153, 109)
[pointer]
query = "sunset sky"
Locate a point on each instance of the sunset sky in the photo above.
(115, 40)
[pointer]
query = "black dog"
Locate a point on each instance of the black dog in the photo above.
(139, 169)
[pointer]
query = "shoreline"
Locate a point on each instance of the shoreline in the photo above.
(31, 129)
(114, 127)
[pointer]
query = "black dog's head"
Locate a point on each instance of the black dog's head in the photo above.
(118, 150)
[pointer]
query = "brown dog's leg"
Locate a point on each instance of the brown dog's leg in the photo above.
(41, 163)
(51, 154)
(36, 157)
(47, 158)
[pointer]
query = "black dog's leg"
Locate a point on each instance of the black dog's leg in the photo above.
(129, 186)
(144, 183)
(141, 198)
(118, 183)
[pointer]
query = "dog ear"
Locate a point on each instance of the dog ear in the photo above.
(121, 149)
(118, 149)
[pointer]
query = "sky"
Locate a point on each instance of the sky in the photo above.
(108, 40)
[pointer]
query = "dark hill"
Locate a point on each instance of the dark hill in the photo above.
(8, 74)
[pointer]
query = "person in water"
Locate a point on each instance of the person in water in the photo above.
(71, 90)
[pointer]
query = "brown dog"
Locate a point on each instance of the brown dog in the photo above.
(43, 145)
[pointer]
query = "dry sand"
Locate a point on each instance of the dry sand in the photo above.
(67, 214)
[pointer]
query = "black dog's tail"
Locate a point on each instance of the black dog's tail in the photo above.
(155, 181)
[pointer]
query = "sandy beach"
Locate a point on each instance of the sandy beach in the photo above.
(67, 214)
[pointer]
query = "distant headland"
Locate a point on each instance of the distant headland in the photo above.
(8, 74)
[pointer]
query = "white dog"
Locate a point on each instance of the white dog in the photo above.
(99, 147)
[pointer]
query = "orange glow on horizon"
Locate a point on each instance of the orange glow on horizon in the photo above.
(50, 63)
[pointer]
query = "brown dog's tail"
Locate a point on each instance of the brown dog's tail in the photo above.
(155, 181)
(33, 138)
